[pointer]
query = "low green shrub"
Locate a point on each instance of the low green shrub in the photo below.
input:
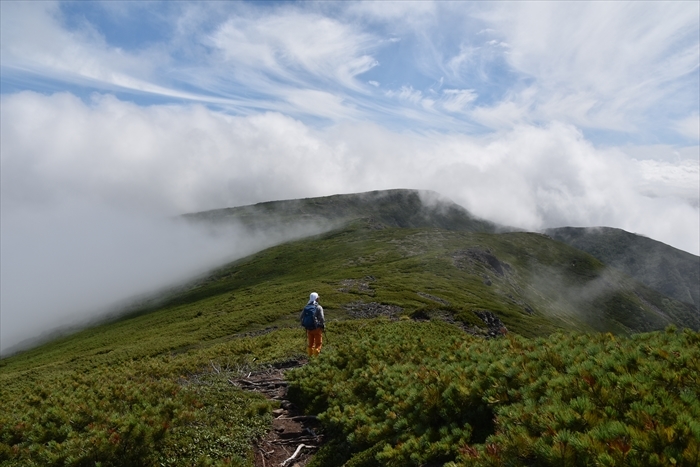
(418, 393)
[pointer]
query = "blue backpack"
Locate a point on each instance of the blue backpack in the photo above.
(308, 317)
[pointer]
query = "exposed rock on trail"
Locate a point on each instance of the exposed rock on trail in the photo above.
(361, 310)
(294, 437)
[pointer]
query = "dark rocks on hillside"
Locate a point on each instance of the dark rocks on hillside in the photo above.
(495, 326)
(433, 298)
(463, 258)
(374, 224)
(357, 285)
(448, 317)
(420, 315)
(362, 310)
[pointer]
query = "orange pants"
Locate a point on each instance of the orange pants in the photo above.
(315, 341)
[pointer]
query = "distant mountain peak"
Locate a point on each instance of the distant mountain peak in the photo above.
(404, 208)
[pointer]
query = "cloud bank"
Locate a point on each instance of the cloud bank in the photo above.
(85, 187)
(175, 159)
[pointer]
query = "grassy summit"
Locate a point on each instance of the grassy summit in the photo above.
(151, 388)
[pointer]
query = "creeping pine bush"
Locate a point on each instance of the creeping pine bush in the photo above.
(131, 416)
(415, 394)
(90, 419)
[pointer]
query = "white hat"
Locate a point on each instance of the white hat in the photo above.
(313, 297)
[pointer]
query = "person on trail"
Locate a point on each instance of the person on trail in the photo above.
(314, 322)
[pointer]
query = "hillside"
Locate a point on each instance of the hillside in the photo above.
(665, 269)
(152, 388)
(390, 208)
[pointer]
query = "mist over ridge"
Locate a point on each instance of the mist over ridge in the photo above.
(68, 269)
(671, 271)
(88, 270)
(403, 208)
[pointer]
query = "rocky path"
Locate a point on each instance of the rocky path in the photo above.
(294, 437)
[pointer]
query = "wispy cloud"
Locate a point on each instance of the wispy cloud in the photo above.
(601, 64)
(296, 46)
(455, 100)
(33, 40)
(624, 67)
(689, 126)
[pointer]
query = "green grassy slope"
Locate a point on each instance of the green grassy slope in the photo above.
(146, 384)
(533, 284)
(672, 272)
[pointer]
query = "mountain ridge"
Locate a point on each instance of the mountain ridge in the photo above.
(403, 208)
(665, 269)
(671, 271)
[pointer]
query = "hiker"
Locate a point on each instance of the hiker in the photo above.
(313, 320)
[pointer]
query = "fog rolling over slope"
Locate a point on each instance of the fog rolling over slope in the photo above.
(401, 208)
(674, 273)
(72, 268)
(66, 269)
(571, 286)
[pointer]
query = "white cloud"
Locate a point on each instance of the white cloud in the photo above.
(99, 175)
(33, 40)
(320, 103)
(275, 57)
(171, 159)
(601, 64)
(455, 100)
(406, 14)
(291, 42)
(615, 66)
(665, 179)
(71, 264)
(689, 127)
(504, 114)
(452, 100)
(407, 93)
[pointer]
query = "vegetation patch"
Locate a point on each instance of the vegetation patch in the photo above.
(409, 393)
(153, 387)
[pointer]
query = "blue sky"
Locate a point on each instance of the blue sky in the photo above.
(530, 114)
(623, 73)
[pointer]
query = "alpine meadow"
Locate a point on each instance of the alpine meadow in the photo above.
(450, 340)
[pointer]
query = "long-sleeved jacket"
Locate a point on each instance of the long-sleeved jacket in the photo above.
(320, 318)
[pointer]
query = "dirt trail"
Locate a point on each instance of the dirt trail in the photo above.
(290, 428)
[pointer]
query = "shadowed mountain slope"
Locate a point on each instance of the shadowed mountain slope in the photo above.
(389, 208)
(672, 272)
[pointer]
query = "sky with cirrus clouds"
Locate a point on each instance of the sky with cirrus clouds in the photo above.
(531, 114)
